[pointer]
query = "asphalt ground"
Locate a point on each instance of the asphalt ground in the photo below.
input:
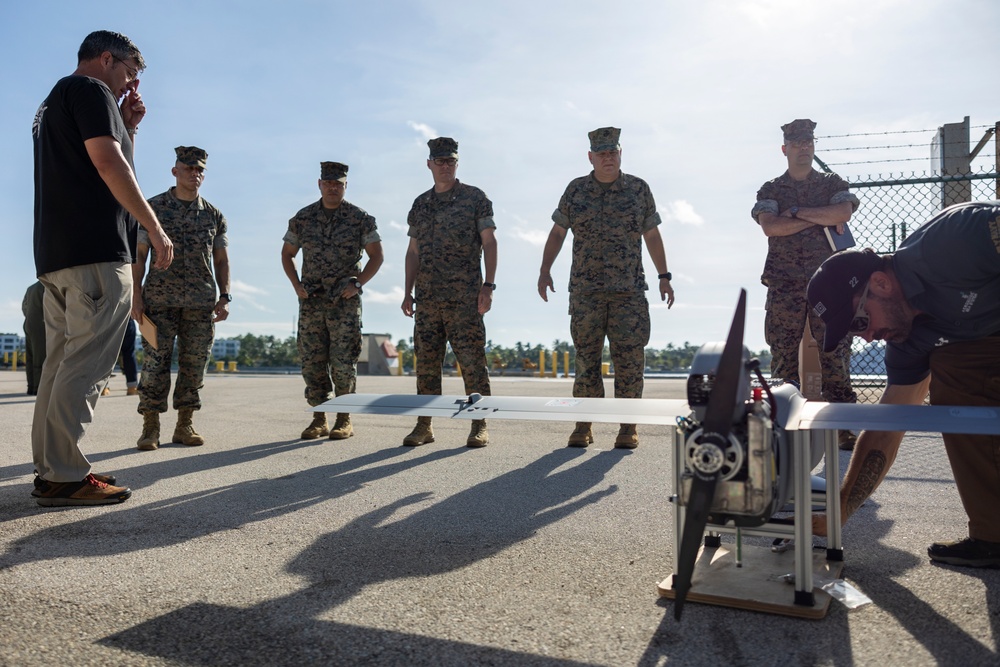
(262, 549)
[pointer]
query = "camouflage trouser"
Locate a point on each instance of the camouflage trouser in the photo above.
(194, 330)
(624, 319)
(437, 323)
(329, 345)
(784, 323)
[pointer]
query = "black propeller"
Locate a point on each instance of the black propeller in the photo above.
(708, 456)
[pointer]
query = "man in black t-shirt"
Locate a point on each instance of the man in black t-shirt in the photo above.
(87, 202)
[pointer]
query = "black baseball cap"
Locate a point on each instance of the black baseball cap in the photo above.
(832, 288)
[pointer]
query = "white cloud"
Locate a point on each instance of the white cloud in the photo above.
(683, 212)
(425, 130)
(393, 296)
(398, 226)
(525, 231)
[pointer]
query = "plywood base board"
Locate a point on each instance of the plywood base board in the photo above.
(759, 585)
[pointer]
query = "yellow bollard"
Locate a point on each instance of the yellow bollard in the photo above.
(399, 366)
(605, 368)
(220, 366)
(232, 366)
(414, 363)
(458, 369)
(566, 364)
(555, 365)
(541, 363)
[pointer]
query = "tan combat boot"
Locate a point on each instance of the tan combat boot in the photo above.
(846, 440)
(318, 428)
(627, 437)
(478, 436)
(421, 434)
(184, 432)
(150, 438)
(581, 435)
(342, 427)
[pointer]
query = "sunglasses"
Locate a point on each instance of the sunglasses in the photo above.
(861, 318)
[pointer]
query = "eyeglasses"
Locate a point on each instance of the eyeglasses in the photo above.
(133, 72)
(804, 143)
(446, 161)
(861, 318)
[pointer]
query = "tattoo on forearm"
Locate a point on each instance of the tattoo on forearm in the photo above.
(872, 469)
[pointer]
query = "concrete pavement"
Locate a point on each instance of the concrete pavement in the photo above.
(262, 549)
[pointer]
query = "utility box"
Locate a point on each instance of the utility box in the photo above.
(810, 370)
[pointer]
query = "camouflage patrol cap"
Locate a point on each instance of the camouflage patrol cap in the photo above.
(443, 147)
(800, 129)
(333, 171)
(605, 139)
(192, 156)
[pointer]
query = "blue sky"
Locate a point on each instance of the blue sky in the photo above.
(700, 90)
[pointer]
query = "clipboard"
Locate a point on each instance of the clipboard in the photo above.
(148, 330)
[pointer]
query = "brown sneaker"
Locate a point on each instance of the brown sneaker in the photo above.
(132, 391)
(846, 440)
(627, 437)
(90, 491)
(478, 436)
(342, 428)
(319, 428)
(421, 433)
(106, 391)
(581, 435)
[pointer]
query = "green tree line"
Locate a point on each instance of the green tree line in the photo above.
(271, 352)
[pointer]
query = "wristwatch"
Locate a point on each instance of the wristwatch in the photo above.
(794, 211)
(666, 276)
(227, 296)
(492, 286)
(357, 285)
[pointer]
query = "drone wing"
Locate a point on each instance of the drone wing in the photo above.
(611, 410)
(925, 418)
(396, 404)
(706, 467)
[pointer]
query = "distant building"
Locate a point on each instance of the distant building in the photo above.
(224, 348)
(11, 343)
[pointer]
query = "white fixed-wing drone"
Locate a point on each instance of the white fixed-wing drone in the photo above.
(742, 454)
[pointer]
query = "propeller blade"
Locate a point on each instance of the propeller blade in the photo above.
(708, 458)
(725, 389)
(699, 502)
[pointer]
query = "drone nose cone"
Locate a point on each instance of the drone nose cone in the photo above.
(475, 398)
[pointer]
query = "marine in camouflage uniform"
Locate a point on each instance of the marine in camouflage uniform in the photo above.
(793, 211)
(332, 234)
(450, 227)
(610, 213)
(181, 300)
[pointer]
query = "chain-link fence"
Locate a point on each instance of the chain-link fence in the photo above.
(890, 210)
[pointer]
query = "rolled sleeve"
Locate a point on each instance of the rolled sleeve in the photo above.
(845, 195)
(560, 219)
(764, 206)
(652, 222)
(485, 223)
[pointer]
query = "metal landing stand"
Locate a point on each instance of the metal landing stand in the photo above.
(759, 582)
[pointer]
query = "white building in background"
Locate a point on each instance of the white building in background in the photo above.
(224, 348)
(11, 343)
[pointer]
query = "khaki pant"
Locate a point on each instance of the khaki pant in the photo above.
(86, 309)
(968, 373)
